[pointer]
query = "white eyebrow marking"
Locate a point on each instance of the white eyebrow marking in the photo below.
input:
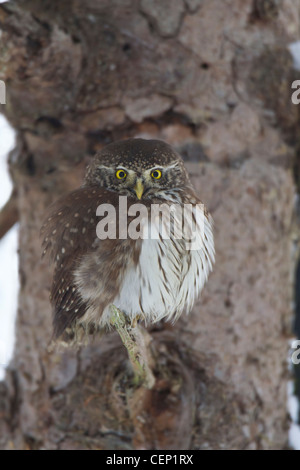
(172, 165)
(103, 167)
(111, 168)
(160, 167)
(120, 167)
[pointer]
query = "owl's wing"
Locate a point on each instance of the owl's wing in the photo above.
(68, 235)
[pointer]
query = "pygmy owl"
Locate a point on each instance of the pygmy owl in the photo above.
(151, 277)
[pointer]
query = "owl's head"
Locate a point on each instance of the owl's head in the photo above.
(138, 167)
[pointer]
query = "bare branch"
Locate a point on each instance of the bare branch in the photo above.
(9, 215)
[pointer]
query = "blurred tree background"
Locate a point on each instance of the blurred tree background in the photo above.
(212, 78)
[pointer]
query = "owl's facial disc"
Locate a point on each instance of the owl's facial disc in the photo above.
(139, 182)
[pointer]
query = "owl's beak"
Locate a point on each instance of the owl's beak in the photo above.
(139, 188)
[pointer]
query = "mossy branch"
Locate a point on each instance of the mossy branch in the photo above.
(136, 340)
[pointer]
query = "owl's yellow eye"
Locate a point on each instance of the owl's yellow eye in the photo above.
(156, 174)
(121, 174)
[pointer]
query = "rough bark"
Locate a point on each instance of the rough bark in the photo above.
(213, 79)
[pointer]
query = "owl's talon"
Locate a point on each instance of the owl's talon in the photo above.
(135, 321)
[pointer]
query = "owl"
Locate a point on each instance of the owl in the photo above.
(109, 247)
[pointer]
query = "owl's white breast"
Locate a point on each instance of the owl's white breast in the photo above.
(167, 278)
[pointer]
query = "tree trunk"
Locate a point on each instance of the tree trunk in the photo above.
(212, 78)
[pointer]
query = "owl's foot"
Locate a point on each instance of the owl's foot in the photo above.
(135, 321)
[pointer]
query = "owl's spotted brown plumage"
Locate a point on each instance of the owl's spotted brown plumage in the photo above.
(150, 278)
